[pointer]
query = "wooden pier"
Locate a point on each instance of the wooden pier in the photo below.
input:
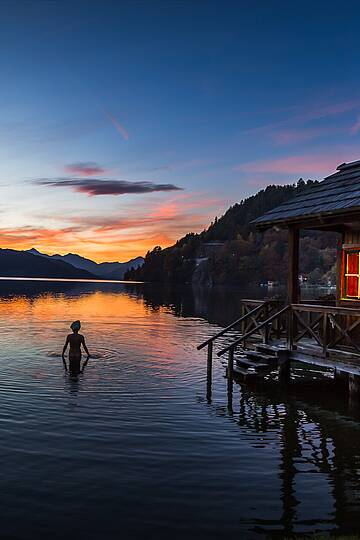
(269, 338)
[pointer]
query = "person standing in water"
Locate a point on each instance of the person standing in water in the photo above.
(75, 341)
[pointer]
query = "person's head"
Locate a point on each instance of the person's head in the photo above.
(75, 326)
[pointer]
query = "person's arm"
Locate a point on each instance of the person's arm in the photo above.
(85, 347)
(63, 352)
(64, 362)
(84, 365)
(65, 346)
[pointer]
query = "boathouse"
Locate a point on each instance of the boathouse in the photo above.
(270, 335)
(330, 205)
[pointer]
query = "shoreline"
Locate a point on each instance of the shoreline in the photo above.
(76, 280)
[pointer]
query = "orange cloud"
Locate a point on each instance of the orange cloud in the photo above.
(117, 237)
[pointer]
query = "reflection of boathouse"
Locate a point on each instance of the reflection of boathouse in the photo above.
(272, 334)
(308, 436)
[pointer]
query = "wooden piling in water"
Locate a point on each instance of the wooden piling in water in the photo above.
(354, 387)
(209, 371)
(230, 378)
(284, 366)
(341, 379)
(231, 364)
(354, 393)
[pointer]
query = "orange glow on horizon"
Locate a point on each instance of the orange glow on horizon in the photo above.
(116, 236)
(124, 250)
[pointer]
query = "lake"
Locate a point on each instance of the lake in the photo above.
(132, 448)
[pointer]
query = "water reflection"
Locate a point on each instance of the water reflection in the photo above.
(139, 430)
(312, 439)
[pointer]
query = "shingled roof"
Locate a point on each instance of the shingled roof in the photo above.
(338, 193)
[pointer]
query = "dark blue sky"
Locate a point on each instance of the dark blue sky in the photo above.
(217, 98)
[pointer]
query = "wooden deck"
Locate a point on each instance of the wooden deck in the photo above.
(270, 337)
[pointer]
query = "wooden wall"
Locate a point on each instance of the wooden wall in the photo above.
(351, 238)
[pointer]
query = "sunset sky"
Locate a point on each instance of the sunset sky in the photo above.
(127, 124)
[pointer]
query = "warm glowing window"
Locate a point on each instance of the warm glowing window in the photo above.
(352, 274)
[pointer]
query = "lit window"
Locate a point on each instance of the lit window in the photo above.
(352, 275)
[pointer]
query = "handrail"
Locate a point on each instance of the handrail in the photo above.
(315, 308)
(248, 334)
(224, 330)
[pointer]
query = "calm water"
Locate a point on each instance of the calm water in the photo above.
(132, 448)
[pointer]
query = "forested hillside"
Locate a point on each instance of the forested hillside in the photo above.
(230, 251)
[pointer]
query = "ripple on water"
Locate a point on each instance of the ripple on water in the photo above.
(132, 445)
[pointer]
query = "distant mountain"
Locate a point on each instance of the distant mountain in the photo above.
(106, 270)
(24, 264)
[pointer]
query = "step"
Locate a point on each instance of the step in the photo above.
(249, 364)
(245, 373)
(270, 349)
(257, 356)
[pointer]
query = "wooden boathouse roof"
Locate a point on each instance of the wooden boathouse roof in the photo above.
(331, 202)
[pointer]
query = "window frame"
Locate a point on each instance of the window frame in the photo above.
(345, 274)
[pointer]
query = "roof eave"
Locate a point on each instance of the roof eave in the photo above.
(311, 221)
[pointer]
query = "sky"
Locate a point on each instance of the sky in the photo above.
(125, 125)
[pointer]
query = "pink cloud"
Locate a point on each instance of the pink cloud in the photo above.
(356, 127)
(119, 127)
(302, 165)
(333, 109)
(296, 135)
(290, 129)
(88, 168)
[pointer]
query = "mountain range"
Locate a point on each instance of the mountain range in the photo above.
(33, 263)
(105, 270)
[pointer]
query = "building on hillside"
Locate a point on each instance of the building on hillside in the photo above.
(206, 249)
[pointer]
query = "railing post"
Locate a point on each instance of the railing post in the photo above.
(243, 321)
(231, 364)
(325, 334)
(267, 329)
(278, 328)
(290, 329)
(209, 371)
(230, 376)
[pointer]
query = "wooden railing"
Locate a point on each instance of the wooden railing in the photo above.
(264, 326)
(328, 328)
(249, 321)
(331, 328)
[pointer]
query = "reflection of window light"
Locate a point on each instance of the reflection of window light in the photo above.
(352, 275)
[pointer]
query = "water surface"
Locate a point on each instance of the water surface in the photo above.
(132, 448)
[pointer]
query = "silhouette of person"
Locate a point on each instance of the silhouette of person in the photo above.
(75, 341)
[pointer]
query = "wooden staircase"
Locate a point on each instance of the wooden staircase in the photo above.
(256, 363)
